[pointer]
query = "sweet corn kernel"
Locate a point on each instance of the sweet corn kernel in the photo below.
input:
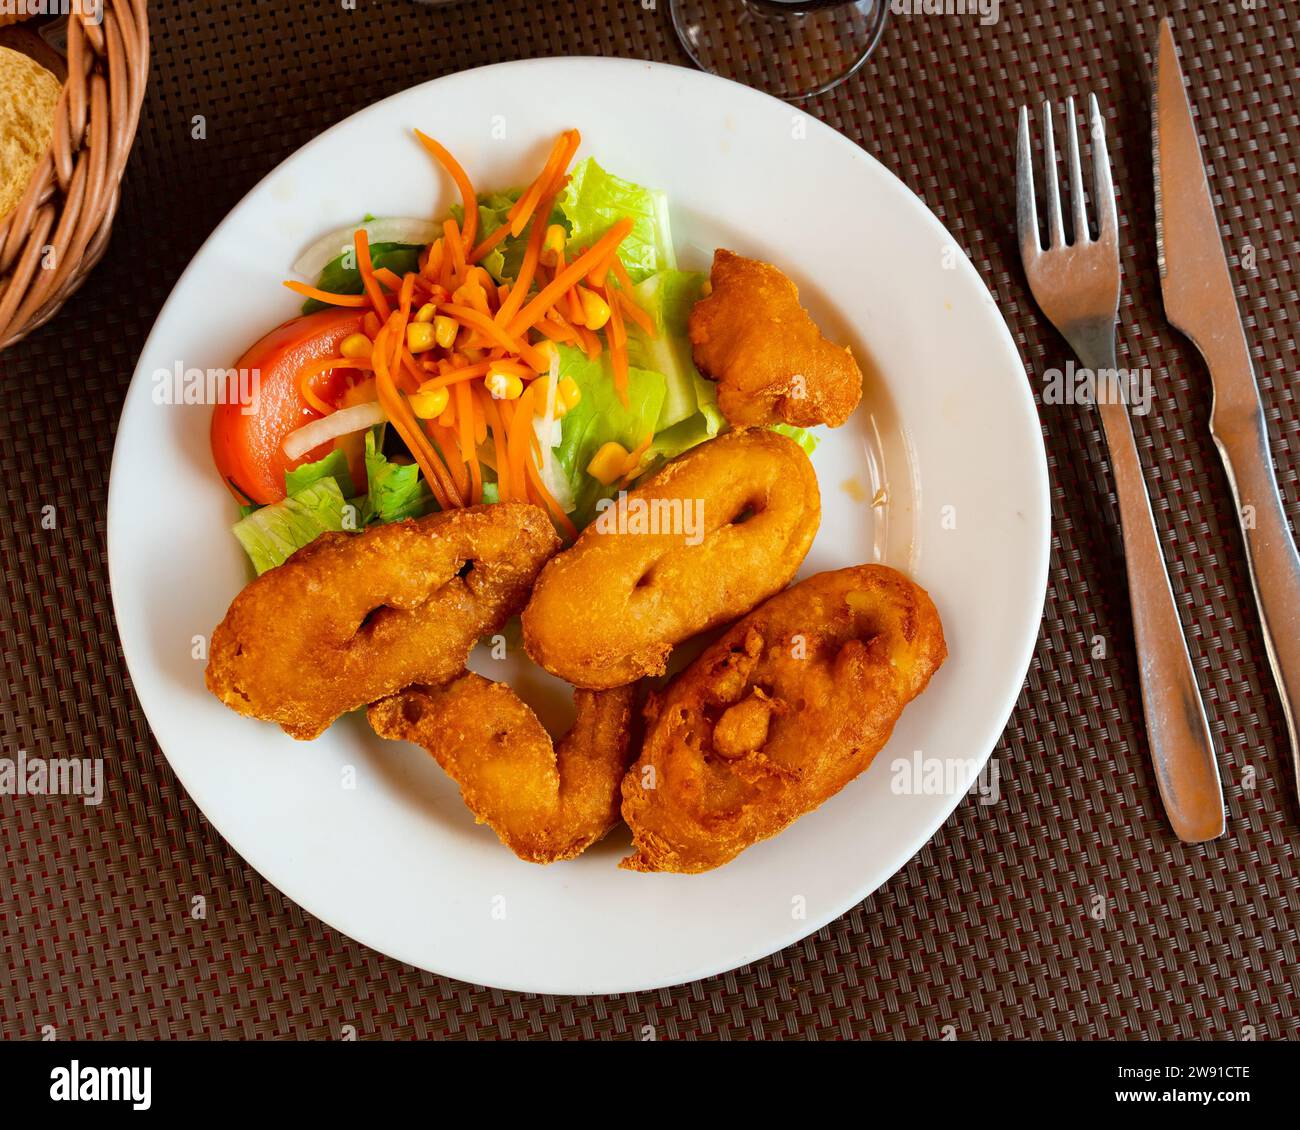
(595, 310)
(430, 405)
(419, 337)
(355, 346)
(553, 244)
(570, 395)
(547, 350)
(609, 464)
(444, 331)
(503, 385)
(567, 396)
(425, 313)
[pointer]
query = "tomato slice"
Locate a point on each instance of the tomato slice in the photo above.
(247, 445)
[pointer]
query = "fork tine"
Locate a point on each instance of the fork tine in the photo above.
(1055, 230)
(1103, 190)
(1026, 204)
(1078, 207)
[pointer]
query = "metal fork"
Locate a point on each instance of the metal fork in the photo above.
(1077, 286)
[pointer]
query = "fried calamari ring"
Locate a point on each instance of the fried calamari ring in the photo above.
(716, 531)
(351, 618)
(545, 802)
(770, 360)
(779, 714)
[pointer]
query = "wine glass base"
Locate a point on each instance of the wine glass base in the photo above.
(791, 49)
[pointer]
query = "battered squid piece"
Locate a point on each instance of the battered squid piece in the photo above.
(770, 360)
(779, 714)
(351, 618)
(718, 530)
(545, 802)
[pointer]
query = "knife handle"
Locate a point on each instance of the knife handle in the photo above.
(1242, 439)
(1182, 749)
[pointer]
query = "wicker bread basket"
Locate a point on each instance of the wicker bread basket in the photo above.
(60, 227)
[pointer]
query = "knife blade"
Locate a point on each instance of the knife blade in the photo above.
(1200, 300)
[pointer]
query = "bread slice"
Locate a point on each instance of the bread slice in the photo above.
(28, 97)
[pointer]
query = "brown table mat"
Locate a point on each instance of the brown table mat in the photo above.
(992, 929)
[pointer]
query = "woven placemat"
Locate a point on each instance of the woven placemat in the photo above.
(1066, 910)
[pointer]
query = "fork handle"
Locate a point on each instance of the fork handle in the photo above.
(1181, 747)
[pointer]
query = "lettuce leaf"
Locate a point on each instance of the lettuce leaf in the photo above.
(340, 275)
(393, 490)
(599, 418)
(271, 534)
(333, 466)
(503, 261)
(802, 436)
(595, 199)
(667, 296)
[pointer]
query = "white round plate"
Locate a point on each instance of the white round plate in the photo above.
(940, 473)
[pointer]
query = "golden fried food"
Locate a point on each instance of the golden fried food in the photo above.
(718, 530)
(351, 618)
(545, 802)
(779, 714)
(770, 360)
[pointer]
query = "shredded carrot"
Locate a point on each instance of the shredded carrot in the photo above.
(489, 242)
(397, 325)
(511, 343)
(370, 324)
(313, 370)
(366, 268)
(309, 395)
(521, 432)
(456, 252)
(410, 370)
(617, 336)
(561, 173)
(500, 442)
(328, 297)
(589, 341)
(633, 311)
(445, 441)
(620, 273)
(454, 377)
(408, 427)
(464, 398)
(555, 331)
(547, 182)
(480, 420)
(433, 265)
(527, 269)
(468, 198)
(573, 300)
(635, 456)
(576, 270)
(596, 276)
(557, 513)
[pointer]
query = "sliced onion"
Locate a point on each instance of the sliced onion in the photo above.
(341, 423)
(551, 472)
(390, 230)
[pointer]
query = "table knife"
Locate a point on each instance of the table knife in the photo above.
(1201, 302)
